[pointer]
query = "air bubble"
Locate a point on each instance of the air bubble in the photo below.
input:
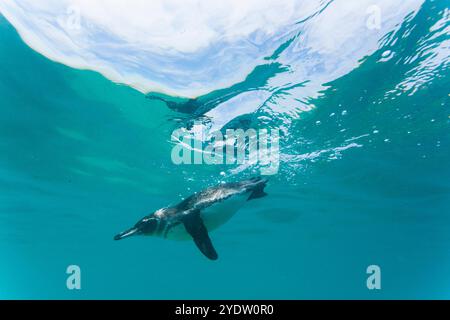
(386, 54)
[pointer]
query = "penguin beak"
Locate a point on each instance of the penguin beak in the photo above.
(127, 233)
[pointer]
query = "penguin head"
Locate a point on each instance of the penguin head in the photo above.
(147, 226)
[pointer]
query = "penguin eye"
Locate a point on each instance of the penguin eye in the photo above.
(149, 226)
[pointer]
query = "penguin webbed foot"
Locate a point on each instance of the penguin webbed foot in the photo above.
(258, 191)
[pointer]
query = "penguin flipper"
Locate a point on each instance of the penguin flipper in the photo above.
(196, 228)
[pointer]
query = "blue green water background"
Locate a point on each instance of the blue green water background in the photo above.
(81, 158)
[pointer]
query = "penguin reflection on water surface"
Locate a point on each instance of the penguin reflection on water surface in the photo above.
(198, 214)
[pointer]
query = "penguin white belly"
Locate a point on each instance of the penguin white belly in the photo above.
(213, 216)
(178, 232)
(219, 213)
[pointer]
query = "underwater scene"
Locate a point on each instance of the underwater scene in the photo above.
(245, 149)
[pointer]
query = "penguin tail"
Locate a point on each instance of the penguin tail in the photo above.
(126, 234)
(258, 190)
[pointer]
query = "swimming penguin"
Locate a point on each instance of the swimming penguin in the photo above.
(198, 214)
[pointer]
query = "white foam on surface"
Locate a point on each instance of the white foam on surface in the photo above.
(192, 47)
(180, 47)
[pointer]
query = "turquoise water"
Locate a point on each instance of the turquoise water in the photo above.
(364, 179)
